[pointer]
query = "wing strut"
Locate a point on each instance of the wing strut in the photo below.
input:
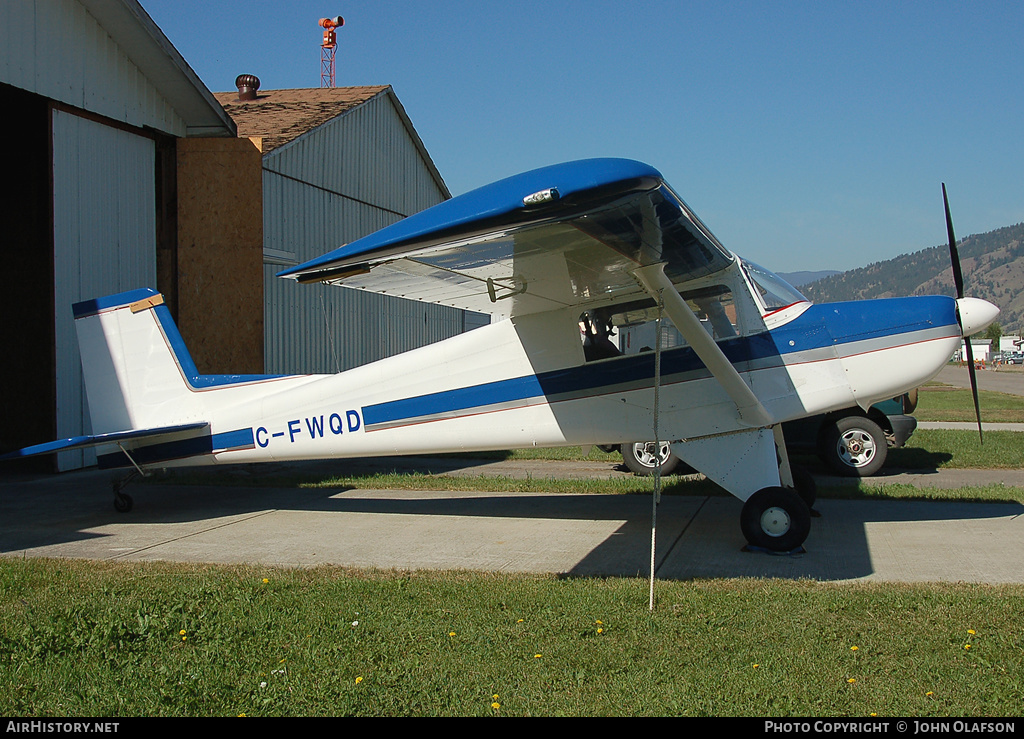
(656, 283)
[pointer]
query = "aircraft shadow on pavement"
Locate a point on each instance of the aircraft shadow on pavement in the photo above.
(697, 536)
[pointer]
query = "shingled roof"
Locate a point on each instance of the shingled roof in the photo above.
(280, 116)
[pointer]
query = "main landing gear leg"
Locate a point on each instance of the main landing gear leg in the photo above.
(792, 476)
(776, 515)
(779, 518)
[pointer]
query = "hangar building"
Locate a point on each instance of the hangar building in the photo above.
(338, 164)
(126, 171)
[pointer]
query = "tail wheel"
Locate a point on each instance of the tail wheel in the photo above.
(776, 519)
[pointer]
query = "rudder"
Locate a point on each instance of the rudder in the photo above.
(134, 362)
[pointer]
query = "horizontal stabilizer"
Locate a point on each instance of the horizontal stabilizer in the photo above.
(115, 437)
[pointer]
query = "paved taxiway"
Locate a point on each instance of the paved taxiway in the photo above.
(226, 520)
(229, 520)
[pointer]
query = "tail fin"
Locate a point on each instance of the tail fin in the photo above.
(135, 363)
(137, 376)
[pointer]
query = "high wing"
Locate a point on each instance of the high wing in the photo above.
(569, 234)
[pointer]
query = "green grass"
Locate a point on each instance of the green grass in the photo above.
(874, 490)
(121, 640)
(625, 485)
(938, 402)
(950, 449)
(81, 639)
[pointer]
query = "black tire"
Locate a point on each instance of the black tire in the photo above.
(854, 447)
(805, 485)
(639, 458)
(776, 519)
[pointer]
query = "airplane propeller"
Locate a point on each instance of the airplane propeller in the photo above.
(958, 282)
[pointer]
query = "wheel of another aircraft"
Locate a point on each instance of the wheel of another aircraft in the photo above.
(642, 456)
(776, 519)
(855, 447)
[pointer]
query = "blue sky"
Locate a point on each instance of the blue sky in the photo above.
(807, 135)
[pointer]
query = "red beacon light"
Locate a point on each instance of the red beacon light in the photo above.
(329, 24)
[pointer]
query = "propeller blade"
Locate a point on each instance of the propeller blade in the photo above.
(974, 386)
(954, 255)
(958, 282)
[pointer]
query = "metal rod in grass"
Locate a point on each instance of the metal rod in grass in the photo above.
(657, 445)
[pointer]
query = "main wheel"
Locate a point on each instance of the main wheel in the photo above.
(855, 447)
(642, 456)
(776, 519)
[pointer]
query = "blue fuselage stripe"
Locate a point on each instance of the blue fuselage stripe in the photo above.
(192, 447)
(829, 325)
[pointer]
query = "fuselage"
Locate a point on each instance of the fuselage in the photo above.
(524, 382)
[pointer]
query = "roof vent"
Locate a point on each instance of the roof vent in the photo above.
(247, 85)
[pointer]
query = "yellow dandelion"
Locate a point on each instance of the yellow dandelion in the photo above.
(854, 648)
(756, 665)
(852, 680)
(265, 581)
(536, 656)
(519, 621)
(972, 632)
(495, 705)
(181, 633)
(929, 693)
(494, 697)
(599, 622)
(451, 633)
(967, 646)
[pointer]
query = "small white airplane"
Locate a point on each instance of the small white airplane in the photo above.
(566, 255)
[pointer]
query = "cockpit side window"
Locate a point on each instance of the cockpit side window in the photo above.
(598, 333)
(630, 328)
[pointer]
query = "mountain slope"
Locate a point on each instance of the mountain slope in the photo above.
(992, 263)
(796, 279)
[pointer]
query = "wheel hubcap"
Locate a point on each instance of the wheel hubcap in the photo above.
(775, 521)
(856, 448)
(647, 454)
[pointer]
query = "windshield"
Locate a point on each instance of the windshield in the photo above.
(775, 292)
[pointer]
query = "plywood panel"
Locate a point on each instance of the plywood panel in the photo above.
(220, 254)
